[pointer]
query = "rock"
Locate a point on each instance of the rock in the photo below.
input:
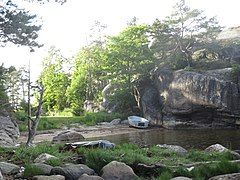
(181, 178)
(125, 122)
(234, 176)
(115, 121)
(1, 176)
(107, 92)
(53, 177)
(177, 149)
(220, 148)
(118, 170)
(216, 148)
(87, 177)
(9, 131)
(91, 106)
(42, 158)
(185, 96)
(68, 136)
(72, 172)
(8, 168)
(45, 168)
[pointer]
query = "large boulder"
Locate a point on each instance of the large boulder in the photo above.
(118, 170)
(53, 177)
(174, 148)
(68, 136)
(185, 96)
(9, 131)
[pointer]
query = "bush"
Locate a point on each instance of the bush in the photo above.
(21, 115)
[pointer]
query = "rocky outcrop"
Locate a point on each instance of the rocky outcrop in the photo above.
(9, 131)
(183, 96)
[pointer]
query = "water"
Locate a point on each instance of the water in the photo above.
(197, 139)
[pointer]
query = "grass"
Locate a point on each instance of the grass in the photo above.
(52, 122)
(130, 154)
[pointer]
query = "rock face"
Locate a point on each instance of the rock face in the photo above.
(9, 131)
(118, 170)
(199, 98)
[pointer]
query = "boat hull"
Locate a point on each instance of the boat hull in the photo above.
(138, 122)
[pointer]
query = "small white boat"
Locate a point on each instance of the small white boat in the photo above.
(138, 122)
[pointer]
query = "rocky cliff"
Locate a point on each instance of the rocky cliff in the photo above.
(209, 98)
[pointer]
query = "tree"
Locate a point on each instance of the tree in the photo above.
(178, 36)
(17, 26)
(129, 55)
(55, 81)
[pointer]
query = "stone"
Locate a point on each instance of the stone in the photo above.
(87, 177)
(72, 171)
(115, 121)
(216, 148)
(8, 168)
(45, 168)
(68, 136)
(181, 178)
(9, 131)
(118, 170)
(53, 177)
(174, 148)
(125, 122)
(1, 176)
(42, 158)
(234, 176)
(220, 148)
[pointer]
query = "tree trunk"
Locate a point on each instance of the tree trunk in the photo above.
(33, 123)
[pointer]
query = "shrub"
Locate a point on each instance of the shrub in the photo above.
(32, 170)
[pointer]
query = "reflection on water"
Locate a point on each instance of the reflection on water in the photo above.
(198, 139)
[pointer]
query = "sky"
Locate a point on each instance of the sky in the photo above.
(67, 26)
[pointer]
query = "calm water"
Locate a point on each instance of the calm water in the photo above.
(198, 139)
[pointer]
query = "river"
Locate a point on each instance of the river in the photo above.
(189, 139)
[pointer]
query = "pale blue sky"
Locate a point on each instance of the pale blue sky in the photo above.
(67, 26)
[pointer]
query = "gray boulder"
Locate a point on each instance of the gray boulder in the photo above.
(53, 177)
(234, 176)
(42, 158)
(88, 177)
(8, 168)
(115, 121)
(184, 96)
(9, 131)
(45, 168)
(220, 148)
(118, 170)
(68, 136)
(174, 148)
(72, 171)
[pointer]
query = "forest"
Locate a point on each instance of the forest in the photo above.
(186, 39)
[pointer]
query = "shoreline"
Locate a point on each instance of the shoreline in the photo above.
(86, 131)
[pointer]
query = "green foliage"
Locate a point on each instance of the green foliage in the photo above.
(165, 176)
(16, 26)
(48, 123)
(21, 115)
(55, 81)
(178, 35)
(236, 73)
(54, 162)
(32, 170)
